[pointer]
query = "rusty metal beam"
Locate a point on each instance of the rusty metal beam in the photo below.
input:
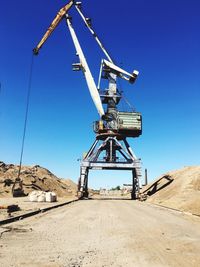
(53, 25)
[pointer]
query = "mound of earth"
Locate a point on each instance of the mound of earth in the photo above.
(34, 178)
(178, 189)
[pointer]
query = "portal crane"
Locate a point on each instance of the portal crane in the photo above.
(110, 150)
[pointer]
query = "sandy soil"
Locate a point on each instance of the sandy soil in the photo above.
(34, 178)
(26, 206)
(178, 189)
(103, 233)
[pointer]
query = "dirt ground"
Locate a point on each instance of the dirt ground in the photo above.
(103, 233)
(26, 206)
(178, 189)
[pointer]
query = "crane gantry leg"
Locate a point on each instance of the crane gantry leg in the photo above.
(109, 153)
(83, 182)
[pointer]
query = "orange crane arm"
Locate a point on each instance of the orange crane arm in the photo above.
(53, 25)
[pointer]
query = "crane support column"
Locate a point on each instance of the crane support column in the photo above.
(110, 153)
(83, 183)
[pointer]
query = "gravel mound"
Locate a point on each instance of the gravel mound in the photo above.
(34, 178)
(178, 189)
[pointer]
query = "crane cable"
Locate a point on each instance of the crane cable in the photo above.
(25, 119)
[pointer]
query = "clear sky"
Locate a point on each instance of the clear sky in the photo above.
(160, 38)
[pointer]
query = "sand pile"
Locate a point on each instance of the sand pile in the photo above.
(34, 178)
(178, 189)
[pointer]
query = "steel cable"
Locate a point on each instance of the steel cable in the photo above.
(26, 116)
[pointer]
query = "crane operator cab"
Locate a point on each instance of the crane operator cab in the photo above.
(127, 124)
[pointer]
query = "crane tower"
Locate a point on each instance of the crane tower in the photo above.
(110, 150)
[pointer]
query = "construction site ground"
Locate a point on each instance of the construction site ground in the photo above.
(26, 206)
(103, 233)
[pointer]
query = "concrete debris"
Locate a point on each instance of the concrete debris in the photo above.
(41, 196)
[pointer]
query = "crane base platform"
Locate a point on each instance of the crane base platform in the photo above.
(111, 153)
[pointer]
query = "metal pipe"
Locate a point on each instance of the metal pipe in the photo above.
(146, 178)
(94, 34)
(100, 73)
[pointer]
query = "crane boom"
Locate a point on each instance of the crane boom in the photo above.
(84, 66)
(53, 25)
(93, 32)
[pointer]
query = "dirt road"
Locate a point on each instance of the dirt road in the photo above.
(103, 233)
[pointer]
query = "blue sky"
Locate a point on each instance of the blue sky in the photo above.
(159, 38)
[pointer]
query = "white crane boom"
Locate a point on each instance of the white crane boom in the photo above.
(88, 76)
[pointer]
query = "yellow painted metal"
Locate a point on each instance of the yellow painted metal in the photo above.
(53, 25)
(100, 125)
